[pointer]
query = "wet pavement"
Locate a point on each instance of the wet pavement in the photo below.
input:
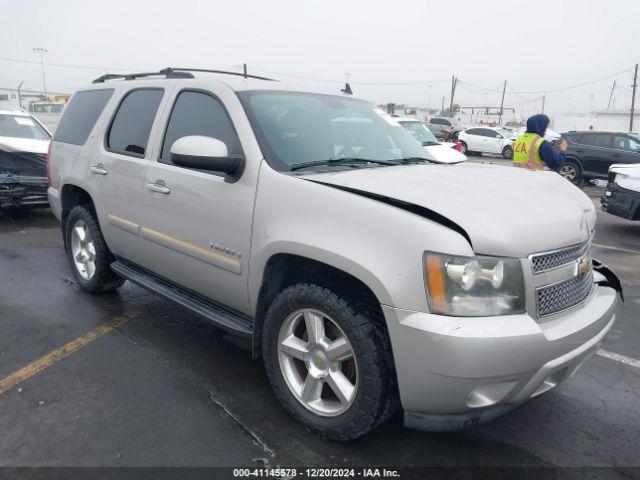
(169, 389)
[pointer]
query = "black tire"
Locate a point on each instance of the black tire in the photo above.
(571, 170)
(464, 149)
(376, 397)
(103, 280)
(507, 152)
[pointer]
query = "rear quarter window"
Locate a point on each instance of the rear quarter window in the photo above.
(81, 115)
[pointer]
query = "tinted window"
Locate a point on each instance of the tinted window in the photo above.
(130, 129)
(622, 142)
(489, 133)
(196, 113)
(81, 115)
(437, 121)
(473, 131)
(597, 139)
(575, 137)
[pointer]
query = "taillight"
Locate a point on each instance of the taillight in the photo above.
(49, 164)
(458, 146)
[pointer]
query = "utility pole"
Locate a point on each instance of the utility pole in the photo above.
(504, 89)
(633, 98)
(19, 95)
(429, 104)
(244, 69)
(454, 82)
(41, 52)
(543, 100)
(442, 109)
(611, 95)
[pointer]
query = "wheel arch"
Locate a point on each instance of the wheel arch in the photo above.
(282, 270)
(72, 195)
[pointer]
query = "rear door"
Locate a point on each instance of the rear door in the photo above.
(117, 167)
(597, 155)
(197, 225)
(474, 139)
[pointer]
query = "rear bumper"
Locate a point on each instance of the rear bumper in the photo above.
(621, 201)
(453, 372)
(18, 191)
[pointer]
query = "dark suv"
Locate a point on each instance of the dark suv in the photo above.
(591, 153)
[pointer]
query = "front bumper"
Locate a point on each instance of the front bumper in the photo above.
(21, 191)
(621, 201)
(453, 372)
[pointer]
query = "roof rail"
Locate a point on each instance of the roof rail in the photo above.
(224, 72)
(167, 73)
(171, 72)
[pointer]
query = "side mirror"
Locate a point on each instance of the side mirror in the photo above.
(206, 153)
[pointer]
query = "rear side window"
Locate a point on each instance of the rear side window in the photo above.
(131, 126)
(489, 133)
(197, 113)
(80, 116)
(597, 139)
(575, 137)
(473, 131)
(436, 121)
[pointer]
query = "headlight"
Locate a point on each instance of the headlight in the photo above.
(473, 286)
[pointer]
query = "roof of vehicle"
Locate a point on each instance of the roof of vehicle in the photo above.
(602, 131)
(233, 80)
(497, 129)
(408, 119)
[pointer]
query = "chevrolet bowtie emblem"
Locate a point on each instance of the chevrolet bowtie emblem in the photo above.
(584, 267)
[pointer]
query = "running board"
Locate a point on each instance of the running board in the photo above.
(225, 318)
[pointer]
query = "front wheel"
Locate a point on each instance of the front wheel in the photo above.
(571, 171)
(330, 367)
(464, 148)
(507, 152)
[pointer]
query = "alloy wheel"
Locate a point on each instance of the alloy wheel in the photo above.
(568, 171)
(317, 362)
(83, 250)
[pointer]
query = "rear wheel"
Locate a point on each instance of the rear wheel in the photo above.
(89, 257)
(330, 367)
(464, 149)
(571, 171)
(507, 152)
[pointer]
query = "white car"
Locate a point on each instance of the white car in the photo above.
(487, 140)
(443, 152)
(622, 195)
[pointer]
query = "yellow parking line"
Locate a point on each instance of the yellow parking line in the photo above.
(51, 358)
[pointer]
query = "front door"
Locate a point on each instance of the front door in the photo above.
(626, 149)
(597, 154)
(197, 225)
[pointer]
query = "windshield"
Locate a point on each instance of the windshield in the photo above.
(507, 133)
(295, 128)
(18, 126)
(420, 132)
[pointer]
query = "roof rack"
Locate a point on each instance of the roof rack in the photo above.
(171, 72)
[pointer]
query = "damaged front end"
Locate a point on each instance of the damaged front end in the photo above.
(23, 179)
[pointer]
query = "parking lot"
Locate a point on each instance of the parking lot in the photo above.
(131, 379)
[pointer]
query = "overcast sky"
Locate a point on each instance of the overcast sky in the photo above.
(390, 50)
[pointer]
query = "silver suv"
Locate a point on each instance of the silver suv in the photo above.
(369, 276)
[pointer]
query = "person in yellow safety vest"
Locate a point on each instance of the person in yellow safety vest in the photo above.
(533, 152)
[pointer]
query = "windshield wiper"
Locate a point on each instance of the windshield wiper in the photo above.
(415, 160)
(342, 160)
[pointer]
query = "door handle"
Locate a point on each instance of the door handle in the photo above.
(99, 169)
(159, 187)
(615, 154)
(579, 150)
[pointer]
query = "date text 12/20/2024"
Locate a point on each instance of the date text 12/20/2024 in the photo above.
(318, 473)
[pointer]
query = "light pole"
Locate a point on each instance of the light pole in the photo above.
(41, 52)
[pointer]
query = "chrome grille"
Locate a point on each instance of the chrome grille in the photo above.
(543, 262)
(563, 295)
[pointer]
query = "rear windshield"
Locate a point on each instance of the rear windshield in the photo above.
(81, 115)
(20, 126)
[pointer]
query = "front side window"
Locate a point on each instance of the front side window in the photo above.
(621, 142)
(489, 133)
(420, 132)
(473, 131)
(131, 126)
(20, 126)
(295, 128)
(198, 113)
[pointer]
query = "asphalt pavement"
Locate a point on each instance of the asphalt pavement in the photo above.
(159, 386)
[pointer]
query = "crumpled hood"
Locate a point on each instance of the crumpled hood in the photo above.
(23, 157)
(505, 211)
